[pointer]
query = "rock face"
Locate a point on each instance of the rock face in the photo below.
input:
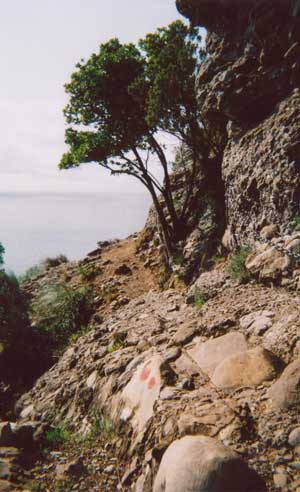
(209, 380)
(249, 84)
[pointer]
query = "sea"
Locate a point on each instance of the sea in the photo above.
(34, 226)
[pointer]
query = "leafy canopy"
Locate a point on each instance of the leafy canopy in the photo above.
(122, 97)
(123, 94)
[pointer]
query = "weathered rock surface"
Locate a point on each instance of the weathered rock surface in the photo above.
(249, 84)
(202, 464)
(210, 354)
(285, 392)
(182, 371)
(248, 368)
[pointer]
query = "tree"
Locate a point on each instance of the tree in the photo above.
(122, 98)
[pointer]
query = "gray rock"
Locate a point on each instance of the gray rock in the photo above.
(294, 437)
(202, 464)
(210, 354)
(248, 368)
(284, 393)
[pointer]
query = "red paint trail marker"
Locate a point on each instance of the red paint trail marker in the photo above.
(151, 383)
(145, 373)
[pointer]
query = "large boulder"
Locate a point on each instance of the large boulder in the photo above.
(210, 354)
(267, 263)
(246, 369)
(202, 464)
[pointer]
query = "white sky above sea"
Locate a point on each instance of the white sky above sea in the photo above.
(41, 41)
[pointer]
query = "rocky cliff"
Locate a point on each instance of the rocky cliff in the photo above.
(249, 86)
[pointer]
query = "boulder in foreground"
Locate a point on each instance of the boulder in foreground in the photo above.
(202, 464)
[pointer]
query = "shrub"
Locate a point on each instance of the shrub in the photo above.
(295, 223)
(57, 436)
(88, 272)
(101, 425)
(61, 311)
(236, 266)
(199, 300)
(55, 261)
(20, 354)
(2, 251)
(117, 345)
(31, 273)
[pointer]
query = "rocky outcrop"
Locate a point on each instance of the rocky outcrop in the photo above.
(249, 86)
(163, 370)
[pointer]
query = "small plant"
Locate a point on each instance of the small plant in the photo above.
(236, 267)
(117, 345)
(178, 259)
(60, 311)
(88, 272)
(65, 485)
(295, 223)
(216, 259)
(199, 301)
(83, 331)
(57, 436)
(55, 261)
(36, 487)
(101, 425)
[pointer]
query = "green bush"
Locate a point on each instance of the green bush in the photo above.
(60, 311)
(101, 425)
(13, 310)
(2, 251)
(22, 353)
(295, 223)
(57, 436)
(31, 273)
(199, 301)
(55, 261)
(236, 266)
(88, 272)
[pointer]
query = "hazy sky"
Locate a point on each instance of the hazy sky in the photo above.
(41, 41)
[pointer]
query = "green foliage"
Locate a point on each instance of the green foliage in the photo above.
(83, 331)
(13, 310)
(37, 487)
(88, 272)
(295, 223)
(54, 261)
(236, 266)
(21, 357)
(61, 311)
(178, 259)
(216, 259)
(172, 55)
(123, 97)
(31, 273)
(199, 300)
(117, 345)
(101, 425)
(2, 251)
(66, 485)
(57, 436)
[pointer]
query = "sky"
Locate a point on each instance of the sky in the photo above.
(41, 41)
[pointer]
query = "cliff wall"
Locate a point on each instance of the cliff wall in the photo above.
(249, 87)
